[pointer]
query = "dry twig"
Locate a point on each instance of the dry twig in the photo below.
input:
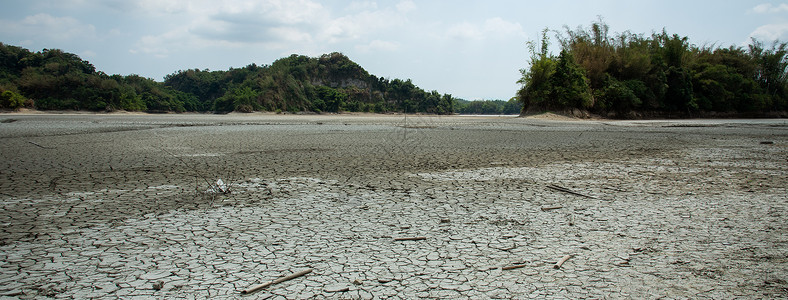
(566, 190)
(281, 279)
(412, 238)
(562, 261)
(513, 267)
(39, 146)
(549, 208)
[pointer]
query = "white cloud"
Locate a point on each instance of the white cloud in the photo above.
(47, 27)
(777, 30)
(289, 34)
(147, 7)
(769, 8)
(771, 32)
(502, 28)
(465, 30)
(491, 28)
(161, 45)
(296, 26)
(406, 6)
(356, 26)
(362, 6)
(273, 23)
(157, 7)
(183, 39)
(378, 45)
(270, 23)
(281, 11)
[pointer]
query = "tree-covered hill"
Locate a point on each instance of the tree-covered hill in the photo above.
(632, 74)
(56, 80)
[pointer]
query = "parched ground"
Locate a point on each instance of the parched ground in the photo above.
(127, 206)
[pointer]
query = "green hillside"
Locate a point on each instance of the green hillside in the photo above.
(57, 80)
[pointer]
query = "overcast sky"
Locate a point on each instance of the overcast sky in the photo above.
(470, 49)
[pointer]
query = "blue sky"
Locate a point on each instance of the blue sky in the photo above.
(470, 49)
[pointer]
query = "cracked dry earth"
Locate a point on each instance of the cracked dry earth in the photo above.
(127, 206)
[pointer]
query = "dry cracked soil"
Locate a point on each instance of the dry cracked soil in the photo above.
(391, 206)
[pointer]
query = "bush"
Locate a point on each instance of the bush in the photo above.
(11, 100)
(244, 108)
(618, 96)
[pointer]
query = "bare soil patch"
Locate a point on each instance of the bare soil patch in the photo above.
(381, 206)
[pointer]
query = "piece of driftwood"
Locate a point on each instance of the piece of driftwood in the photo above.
(562, 261)
(549, 208)
(39, 146)
(337, 288)
(281, 279)
(568, 191)
(513, 267)
(411, 238)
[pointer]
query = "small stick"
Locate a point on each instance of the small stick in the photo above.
(413, 238)
(39, 146)
(566, 190)
(548, 208)
(614, 189)
(562, 261)
(281, 279)
(513, 267)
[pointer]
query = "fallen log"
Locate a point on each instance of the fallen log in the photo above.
(279, 280)
(549, 208)
(336, 288)
(562, 261)
(411, 238)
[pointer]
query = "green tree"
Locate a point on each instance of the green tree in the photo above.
(679, 96)
(569, 86)
(771, 73)
(535, 80)
(332, 99)
(619, 96)
(242, 99)
(592, 50)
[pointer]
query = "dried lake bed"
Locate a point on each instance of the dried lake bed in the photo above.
(391, 206)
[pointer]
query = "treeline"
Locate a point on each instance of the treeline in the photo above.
(53, 79)
(627, 75)
(56, 80)
(488, 107)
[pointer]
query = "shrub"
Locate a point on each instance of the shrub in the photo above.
(11, 100)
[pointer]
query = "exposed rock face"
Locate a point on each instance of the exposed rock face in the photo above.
(344, 83)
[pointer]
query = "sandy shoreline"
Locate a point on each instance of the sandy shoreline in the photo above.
(111, 205)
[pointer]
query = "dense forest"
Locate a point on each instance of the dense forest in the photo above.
(487, 107)
(56, 80)
(634, 75)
